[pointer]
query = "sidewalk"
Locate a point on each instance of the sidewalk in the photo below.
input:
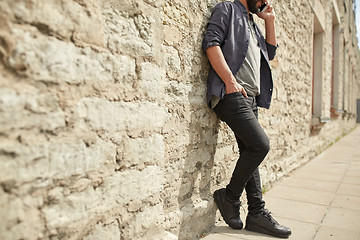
(319, 201)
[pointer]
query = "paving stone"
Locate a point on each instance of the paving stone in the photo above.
(295, 210)
(327, 167)
(218, 236)
(346, 201)
(353, 173)
(311, 184)
(349, 189)
(329, 233)
(352, 180)
(301, 194)
(342, 218)
(309, 174)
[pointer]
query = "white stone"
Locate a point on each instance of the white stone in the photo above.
(152, 80)
(52, 60)
(24, 110)
(116, 116)
(134, 185)
(143, 151)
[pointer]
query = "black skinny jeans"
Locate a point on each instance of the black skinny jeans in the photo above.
(241, 115)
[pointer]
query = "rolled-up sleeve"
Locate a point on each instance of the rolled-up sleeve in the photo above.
(217, 26)
(271, 50)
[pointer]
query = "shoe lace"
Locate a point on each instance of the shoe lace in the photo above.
(267, 214)
(237, 206)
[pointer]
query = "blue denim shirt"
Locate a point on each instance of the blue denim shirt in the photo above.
(228, 28)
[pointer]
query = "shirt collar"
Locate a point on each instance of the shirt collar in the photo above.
(251, 18)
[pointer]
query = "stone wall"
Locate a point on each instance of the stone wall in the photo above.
(104, 128)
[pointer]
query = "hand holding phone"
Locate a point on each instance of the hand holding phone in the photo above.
(263, 7)
(266, 11)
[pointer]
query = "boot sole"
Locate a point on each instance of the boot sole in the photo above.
(267, 232)
(217, 201)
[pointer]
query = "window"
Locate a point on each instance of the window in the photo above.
(317, 68)
(335, 85)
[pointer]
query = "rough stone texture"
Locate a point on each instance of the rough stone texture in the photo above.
(104, 128)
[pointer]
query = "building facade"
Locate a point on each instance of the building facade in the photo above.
(104, 128)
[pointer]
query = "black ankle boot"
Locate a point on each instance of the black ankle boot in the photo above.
(265, 223)
(229, 209)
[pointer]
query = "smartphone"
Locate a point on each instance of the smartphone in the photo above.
(263, 7)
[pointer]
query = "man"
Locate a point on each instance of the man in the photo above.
(239, 81)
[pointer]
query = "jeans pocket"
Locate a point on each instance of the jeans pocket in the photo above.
(238, 106)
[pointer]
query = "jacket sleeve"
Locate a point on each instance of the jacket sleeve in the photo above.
(217, 26)
(271, 50)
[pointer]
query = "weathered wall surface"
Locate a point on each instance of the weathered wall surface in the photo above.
(104, 129)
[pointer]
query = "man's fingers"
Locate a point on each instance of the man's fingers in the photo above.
(244, 92)
(269, 9)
